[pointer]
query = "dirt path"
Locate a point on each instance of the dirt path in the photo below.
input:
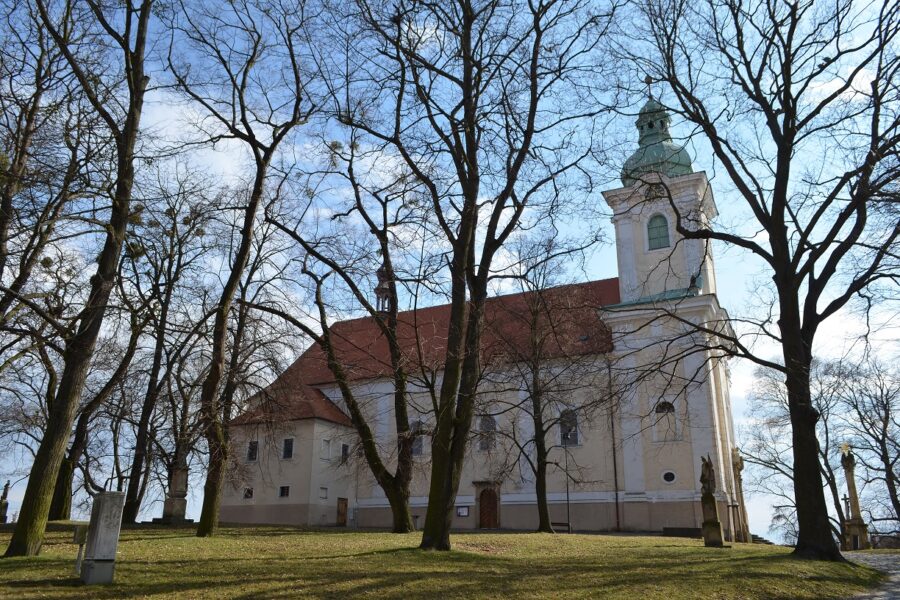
(889, 563)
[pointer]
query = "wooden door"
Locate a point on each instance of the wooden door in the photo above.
(488, 509)
(342, 512)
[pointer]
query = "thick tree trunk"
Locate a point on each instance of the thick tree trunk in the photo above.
(815, 538)
(212, 488)
(449, 450)
(61, 505)
(29, 533)
(540, 488)
(400, 512)
(540, 452)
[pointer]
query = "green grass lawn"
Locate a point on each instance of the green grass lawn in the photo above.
(281, 562)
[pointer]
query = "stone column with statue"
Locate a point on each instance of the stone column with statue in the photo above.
(175, 504)
(856, 532)
(743, 528)
(712, 527)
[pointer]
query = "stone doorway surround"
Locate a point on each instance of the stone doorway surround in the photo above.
(487, 500)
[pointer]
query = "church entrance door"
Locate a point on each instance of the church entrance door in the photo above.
(488, 509)
(342, 512)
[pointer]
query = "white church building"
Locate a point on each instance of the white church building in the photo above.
(630, 423)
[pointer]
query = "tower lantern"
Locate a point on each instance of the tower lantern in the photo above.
(383, 290)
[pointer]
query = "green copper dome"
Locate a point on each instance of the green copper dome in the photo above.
(656, 152)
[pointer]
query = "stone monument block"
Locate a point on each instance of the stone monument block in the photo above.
(103, 538)
(175, 504)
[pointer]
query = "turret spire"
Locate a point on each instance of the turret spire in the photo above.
(656, 152)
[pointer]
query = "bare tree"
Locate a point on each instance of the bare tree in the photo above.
(128, 44)
(337, 254)
(164, 256)
(768, 443)
(869, 393)
(469, 97)
(549, 344)
(798, 105)
(245, 71)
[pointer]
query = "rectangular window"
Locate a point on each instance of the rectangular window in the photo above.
(252, 451)
(248, 493)
(345, 453)
(462, 511)
(287, 449)
(568, 428)
(284, 491)
(323, 493)
(325, 450)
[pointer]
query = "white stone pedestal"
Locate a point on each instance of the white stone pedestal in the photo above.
(103, 538)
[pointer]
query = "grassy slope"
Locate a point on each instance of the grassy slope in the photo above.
(287, 563)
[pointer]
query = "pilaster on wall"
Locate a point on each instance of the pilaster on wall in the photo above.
(630, 413)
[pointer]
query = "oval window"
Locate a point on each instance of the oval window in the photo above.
(669, 476)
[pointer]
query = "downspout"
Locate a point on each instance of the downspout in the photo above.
(612, 428)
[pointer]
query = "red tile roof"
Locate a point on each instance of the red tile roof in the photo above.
(566, 316)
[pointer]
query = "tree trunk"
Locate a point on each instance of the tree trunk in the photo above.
(212, 488)
(210, 411)
(29, 533)
(890, 478)
(540, 451)
(540, 484)
(449, 450)
(400, 512)
(814, 539)
(133, 493)
(61, 505)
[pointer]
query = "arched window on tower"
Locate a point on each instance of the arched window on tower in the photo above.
(666, 426)
(657, 232)
(417, 431)
(487, 428)
(568, 428)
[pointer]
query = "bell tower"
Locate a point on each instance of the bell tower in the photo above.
(660, 190)
(383, 290)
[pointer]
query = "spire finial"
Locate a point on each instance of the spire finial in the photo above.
(649, 81)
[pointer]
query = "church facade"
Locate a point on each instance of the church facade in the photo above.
(633, 401)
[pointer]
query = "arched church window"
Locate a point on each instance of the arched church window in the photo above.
(658, 232)
(417, 431)
(666, 426)
(568, 427)
(664, 408)
(487, 432)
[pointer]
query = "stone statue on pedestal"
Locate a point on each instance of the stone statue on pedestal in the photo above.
(743, 524)
(712, 528)
(856, 532)
(175, 504)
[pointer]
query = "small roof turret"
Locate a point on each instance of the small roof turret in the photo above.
(656, 152)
